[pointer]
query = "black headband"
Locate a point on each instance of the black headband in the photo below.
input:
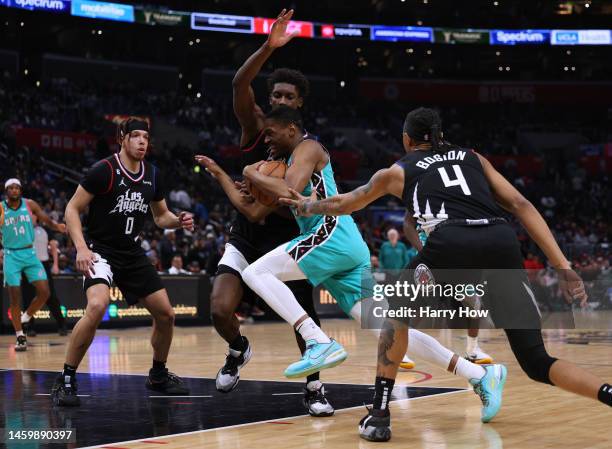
(137, 125)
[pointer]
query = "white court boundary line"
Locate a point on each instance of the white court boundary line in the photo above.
(259, 422)
(245, 424)
(212, 378)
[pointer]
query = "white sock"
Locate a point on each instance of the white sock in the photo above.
(469, 370)
(428, 348)
(314, 385)
(471, 344)
(25, 317)
(20, 334)
(309, 330)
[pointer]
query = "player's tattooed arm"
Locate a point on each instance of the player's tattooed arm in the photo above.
(386, 181)
(44, 218)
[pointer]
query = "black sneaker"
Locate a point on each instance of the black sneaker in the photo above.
(316, 403)
(64, 392)
(376, 425)
(166, 382)
(229, 374)
(21, 344)
(28, 328)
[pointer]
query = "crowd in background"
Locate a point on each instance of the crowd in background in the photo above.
(574, 202)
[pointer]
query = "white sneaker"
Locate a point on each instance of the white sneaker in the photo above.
(407, 363)
(316, 403)
(479, 357)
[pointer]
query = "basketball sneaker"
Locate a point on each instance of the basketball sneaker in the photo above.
(21, 344)
(490, 388)
(407, 363)
(166, 382)
(64, 392)
(229, 374)
(376, 425)
(479, 357)
(317, 357)
(316, 403)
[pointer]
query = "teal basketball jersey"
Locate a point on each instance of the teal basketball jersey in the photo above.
(17, 227)
(325, 185)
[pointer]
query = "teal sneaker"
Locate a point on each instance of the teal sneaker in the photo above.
(318, 356)
(490, 389)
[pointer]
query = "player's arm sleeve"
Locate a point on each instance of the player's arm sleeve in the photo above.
(99, 178)
(160, 187)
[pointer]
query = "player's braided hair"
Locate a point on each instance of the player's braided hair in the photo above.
(128, 125)
(289, 76)
(425, 126)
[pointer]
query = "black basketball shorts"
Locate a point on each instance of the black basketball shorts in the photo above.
(486, 257)
(131, 271)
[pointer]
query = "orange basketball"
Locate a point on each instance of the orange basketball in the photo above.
(276, 169)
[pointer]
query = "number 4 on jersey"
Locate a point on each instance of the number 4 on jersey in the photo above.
(458, 181)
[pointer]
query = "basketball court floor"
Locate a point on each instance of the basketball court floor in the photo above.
(431, 408)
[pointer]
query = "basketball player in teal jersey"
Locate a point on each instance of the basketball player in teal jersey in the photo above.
(329, 252)
(19, 256)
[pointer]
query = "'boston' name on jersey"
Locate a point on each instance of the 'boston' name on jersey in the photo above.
(452, 155)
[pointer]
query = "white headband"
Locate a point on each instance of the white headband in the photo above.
(11, 182)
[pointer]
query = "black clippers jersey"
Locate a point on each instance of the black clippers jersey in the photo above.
(441, 186)
(121, 201)
(275, 229)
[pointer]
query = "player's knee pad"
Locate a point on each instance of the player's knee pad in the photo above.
(528, 347)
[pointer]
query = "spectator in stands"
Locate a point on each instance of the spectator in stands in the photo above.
(393, 253)
(180, 199)
(167, 248)
(177, 266)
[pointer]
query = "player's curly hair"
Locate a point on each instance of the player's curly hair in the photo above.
(123, 128)
(289, 76)
(287, 116)
(424, 125)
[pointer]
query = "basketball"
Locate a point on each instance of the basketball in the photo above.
(276, 169)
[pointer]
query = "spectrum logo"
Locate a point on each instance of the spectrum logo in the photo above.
(512, 37)
(47, 5)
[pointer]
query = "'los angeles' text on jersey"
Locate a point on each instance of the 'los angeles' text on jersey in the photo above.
(121, 201)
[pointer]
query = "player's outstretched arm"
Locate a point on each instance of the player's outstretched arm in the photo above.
(249, 115)
(253, 211)
(386, 181)
(44, 218)
(166, 219)
(514, 202)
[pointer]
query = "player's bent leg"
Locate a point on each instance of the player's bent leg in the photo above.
(64, 390)
(266, 277)
(528, 347)
(226, 294)
(21, 343)
(160, 379)
(314, 400)
(42, 295)
(392, 345)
